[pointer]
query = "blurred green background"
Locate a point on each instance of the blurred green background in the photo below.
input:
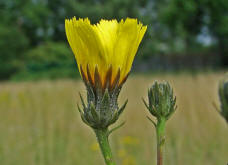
(39, 123)
(182, 35)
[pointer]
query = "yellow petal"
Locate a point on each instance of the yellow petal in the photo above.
(108, 43)
(129, 36)
(85, 43)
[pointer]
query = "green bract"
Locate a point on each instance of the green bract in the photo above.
(162, 103)
(223, 96)
(102, 102)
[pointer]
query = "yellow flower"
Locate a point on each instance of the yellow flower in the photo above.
(95, 147)
(122, 153)
(129, 161)
(106, 49)
(129, 140)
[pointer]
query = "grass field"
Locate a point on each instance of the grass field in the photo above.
(40, 125)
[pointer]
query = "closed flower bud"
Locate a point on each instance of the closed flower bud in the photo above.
(162, 103)
(223, 97)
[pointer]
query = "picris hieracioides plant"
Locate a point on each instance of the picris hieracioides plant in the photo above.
(162, 104)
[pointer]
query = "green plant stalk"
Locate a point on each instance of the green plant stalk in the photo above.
(160, 131)
(102, 138)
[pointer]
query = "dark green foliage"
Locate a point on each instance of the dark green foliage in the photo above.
(184, 19)
(48, 60)
(172, 38)
(13, 43)
(217, 12)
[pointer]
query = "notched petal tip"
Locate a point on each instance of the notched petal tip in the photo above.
(66, 20)
(78, 28)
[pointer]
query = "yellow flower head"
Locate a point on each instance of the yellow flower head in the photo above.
(105, 50)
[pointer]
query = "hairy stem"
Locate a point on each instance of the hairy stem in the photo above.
(160, 131)
(102, 138)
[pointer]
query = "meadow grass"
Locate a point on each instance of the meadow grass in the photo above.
(40, 124)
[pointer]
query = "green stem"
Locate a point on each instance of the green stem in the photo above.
(102, 138)
(160, 131)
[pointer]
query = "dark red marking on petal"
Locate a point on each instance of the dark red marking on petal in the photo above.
(97, 79)
(89, 76)
(108, 78)
(84, 78)
(124, 80)
(115, 81)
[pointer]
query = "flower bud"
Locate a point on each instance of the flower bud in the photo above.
(223, 97)
(162, 103)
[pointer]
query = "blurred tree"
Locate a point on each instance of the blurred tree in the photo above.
(184, 20)
(48, 60)
(49, 55)
(217, 15)
(13, 43)
(174, 27)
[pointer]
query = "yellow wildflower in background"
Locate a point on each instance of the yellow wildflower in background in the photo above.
(95, 146)
(129, 140)
(108, 47)
(126, 159)
(122, 153)
(129, 161)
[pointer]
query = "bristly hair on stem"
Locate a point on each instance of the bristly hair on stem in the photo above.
(162, 104)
